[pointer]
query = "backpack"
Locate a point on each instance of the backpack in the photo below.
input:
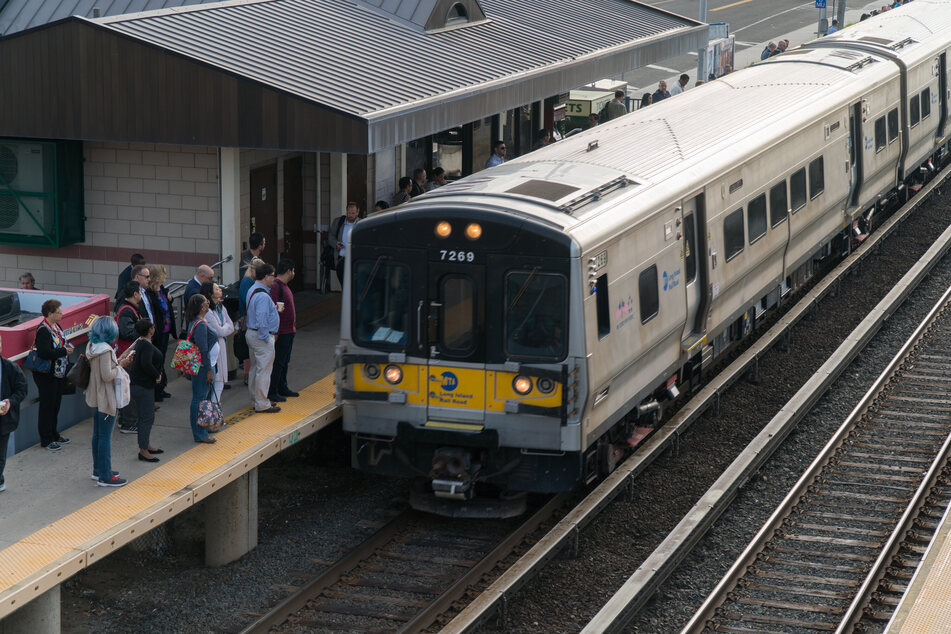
(187, 357)
(605, 114)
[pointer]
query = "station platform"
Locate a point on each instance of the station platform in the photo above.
(55, 520)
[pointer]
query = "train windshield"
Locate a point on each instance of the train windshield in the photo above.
(535, 317)
(381, 292)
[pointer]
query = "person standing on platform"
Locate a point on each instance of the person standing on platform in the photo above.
(128, 312)
(256, 244)
(832, 29)
(198, 333)
(681, 85)
(144, 373)
(246, 283)
(263, 323)
(12, 393)
(221, 325)
(165, 324)
(126, 274)
(339, 232)
(498, 154)
(52, 347)
(203, 273)
(661, 93)
(28, 282)
(437, 181)
(402, 194)
(419, 182)
(287, 315)
(615, 108)
(101, 396)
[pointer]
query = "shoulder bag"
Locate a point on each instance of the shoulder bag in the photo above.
(34, 362)
(123, 385)
(187, 357)
(78, 375)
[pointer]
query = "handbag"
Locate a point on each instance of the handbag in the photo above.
(187, 357)
(78, 375)
(209, 413)
(123, 383)
(34, 362)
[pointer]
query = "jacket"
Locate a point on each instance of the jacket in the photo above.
(101, 392)
(146, 367)
(158, 318)
(125, 320)
(45, 349)
(13, 387)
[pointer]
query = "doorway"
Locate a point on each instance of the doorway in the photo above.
(264, 209)
(293, 217)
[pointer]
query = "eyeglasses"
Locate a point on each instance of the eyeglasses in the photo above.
(145, 275)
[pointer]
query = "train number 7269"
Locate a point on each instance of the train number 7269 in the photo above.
(456, 256)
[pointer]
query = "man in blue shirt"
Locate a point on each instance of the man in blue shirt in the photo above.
(498, 154)
(263, 322)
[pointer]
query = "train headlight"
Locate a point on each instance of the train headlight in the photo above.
(443, 229)
(393, 374)
(522, 385)
(546, 385)
(372, 371)
(473, 231)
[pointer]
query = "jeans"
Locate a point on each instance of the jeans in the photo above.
(50, 391)
(201, 391)
(102, 444)
(262, 360)
(283, 345)
(144, 399)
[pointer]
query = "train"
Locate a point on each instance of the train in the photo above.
(513, 331)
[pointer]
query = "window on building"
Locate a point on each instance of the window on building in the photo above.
(778, 208)
(647, 293)
(733, 234)
(817, 182)
(914, 111)
(880, 134)
(797, 190)
(756, 217)
(925, 103)
(892, 124)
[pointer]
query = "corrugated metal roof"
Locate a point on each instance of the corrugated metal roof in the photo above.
(19, 15)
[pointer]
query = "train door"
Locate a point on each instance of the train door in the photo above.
(856, 148)
(456, 339)
(692, 287)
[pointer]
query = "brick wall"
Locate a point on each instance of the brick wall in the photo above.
(159, 200)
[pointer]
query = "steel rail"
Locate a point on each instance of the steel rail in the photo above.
(493, 599)
(748, 556)
(648, 577)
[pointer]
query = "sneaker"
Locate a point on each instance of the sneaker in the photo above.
(132, 429)
(3, 486)
(53, 446)
(95, 477)
(62, 441)
(114, 481)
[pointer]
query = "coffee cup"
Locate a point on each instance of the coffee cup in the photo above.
(280, 307)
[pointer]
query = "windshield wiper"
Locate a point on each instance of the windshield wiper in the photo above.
(369, 282)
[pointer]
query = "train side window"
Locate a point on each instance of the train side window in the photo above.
(880, 134)
(690, 248)
(892, 124)
(756, 217)
(925, 103)
(733, 234)
(647, 293)
(535, 314)
(817, 181)
(797, 190)
(604, 307)
(778, 208)
(914, 111)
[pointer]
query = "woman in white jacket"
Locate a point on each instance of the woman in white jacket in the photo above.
(220, 323)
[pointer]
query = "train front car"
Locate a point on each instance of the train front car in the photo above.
(455, 360)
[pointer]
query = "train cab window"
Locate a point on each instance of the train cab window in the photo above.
(381, 311)
(733, 234)
(756, 217)
(797, 190)
(457, 321)
(778, 207)
(535, 316)
(914, 111)
(892, 124)
(647, 293)
(817, 180)
(925, 103)
(690, 248)
(880, 134)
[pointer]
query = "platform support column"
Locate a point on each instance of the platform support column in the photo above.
(231, 521)
(39, 616)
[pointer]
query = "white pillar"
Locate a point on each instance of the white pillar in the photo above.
(42, 615)
(231, 521)
(229, 170)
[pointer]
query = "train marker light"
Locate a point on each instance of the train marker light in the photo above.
(546, 385)
(443, 229)
(393, 374)
(522, 385)
(473, 231)
(372, 371)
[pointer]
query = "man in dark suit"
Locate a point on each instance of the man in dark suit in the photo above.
(203, 273)
(126, 275)
(12, 392)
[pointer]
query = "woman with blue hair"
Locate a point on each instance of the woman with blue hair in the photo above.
(101, 396)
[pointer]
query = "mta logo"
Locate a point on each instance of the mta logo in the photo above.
(665, 280)
(449, 381)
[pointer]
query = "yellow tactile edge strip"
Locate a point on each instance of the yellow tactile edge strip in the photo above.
(58, 551)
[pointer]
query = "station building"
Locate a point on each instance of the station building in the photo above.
(178, 131)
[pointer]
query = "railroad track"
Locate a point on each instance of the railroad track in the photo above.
(829, 547)
(404, 576)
